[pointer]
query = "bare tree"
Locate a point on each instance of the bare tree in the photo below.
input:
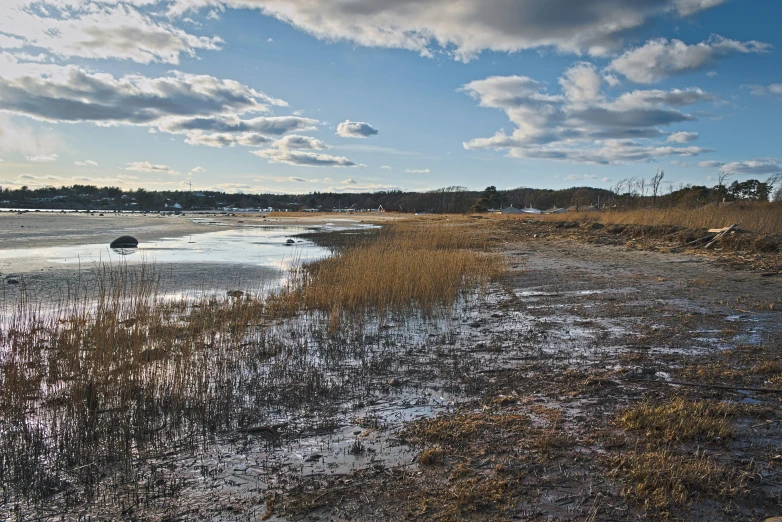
(775, 180)
(656, 180)
(723, 175)
(640, 183)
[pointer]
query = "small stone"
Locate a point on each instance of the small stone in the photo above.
(235, 293)
(11, 282)
(394, 382)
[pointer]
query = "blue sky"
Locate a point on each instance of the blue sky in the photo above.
(349, 95)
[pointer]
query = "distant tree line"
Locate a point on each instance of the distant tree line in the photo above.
(628, 193)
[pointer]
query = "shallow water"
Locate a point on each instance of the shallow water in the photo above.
(265, 246)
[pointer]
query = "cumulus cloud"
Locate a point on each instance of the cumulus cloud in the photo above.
(683, 137)
(294, 150)
(87, 163)
(206, 110)
(145, 166)
(759, 167)
(198, 170)
(43, 158)
(98, 29)
(581, 124)
(775, 89)
(661, 58)
(355, 129)
(303, 159)
(71, 94)
(385, 167)
(418, 171)
(467, 27)
(295, 141)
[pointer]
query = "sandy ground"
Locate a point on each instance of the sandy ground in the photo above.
(37, 229)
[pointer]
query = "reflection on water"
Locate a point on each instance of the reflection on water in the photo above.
(264, 246)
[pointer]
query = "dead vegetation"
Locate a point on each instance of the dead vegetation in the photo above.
(408, 266)
(683, 420)
(759, 218)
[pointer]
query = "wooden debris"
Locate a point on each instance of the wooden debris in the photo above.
(722, 234)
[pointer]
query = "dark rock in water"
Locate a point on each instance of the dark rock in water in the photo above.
(289, 242)
(124, 242)
(235, 293)
(11, 282)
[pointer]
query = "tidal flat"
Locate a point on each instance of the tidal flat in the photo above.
(439, 368)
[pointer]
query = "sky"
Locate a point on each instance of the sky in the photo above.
(297, 96)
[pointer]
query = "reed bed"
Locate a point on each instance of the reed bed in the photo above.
(421, 265)
(760, 218)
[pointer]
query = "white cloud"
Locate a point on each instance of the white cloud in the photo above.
(298, 180)
(775, 89)
(99, 30)
(206, 110)
(16, 136)
(43, 158)
(198, 170)
(759, 167)
(145, 166)
(418, 171)
(661, 58)
(581, 124)
(467, 27)
(9, 42)
(683, 137)
(87, 163)
(71, 94)
(385, 167)
(349, 181)
(303, 159)
(355, 129)
(294, 141)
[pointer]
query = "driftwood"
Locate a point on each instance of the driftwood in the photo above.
(715, 234)
(713, 386)
(721, 235)
(704, 238)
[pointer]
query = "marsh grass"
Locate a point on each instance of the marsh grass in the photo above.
(411, 265)
(760, 218)
(662, 479)
(683, 420)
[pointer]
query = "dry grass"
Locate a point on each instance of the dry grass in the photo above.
(431, 457)
(684, 420)
(761, 218)
(451, 430)
(661, 480)
(411, 265)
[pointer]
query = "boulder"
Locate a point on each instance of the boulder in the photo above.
(124, 242)
(235, 293)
